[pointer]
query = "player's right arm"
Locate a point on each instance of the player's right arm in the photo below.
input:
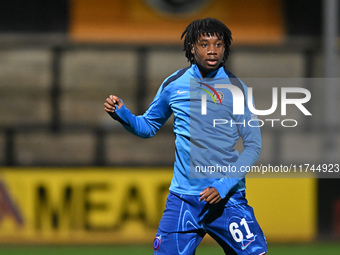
(112, 103)
(145, 125)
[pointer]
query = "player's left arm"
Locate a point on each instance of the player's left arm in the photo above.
(251, 137)
(210, 195)
(252, 146)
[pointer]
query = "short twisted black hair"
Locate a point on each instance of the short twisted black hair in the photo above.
(207, 26)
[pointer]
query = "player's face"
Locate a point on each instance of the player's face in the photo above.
(208, 52)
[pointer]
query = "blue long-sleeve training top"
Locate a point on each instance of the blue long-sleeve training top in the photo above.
(206, 133)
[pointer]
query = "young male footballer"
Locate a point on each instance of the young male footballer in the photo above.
(205, 196)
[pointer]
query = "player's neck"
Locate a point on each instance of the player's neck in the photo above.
(204, 72)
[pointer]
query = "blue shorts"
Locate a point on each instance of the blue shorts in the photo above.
(231, 222)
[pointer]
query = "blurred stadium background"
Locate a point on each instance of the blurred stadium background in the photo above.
(73, 181)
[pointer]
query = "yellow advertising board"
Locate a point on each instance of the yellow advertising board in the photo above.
(105, 205)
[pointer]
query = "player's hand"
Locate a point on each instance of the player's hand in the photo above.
(112, 103)
(210, 195)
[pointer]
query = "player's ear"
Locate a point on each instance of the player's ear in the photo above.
(192, 49)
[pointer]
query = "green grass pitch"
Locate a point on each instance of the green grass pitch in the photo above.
(275, 249)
